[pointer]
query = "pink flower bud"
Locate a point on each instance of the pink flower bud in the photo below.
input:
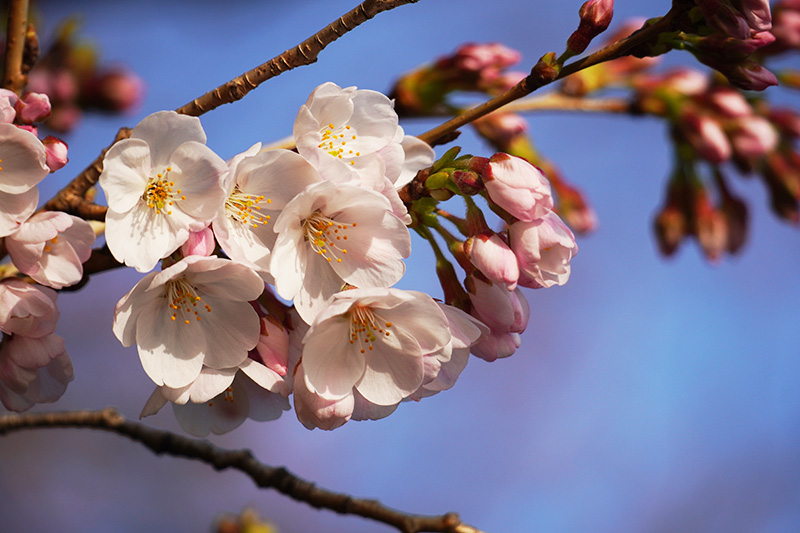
(686, 81)
(787, 120)
(670, 227)
(314, 411)
(478, 57)
(492, 256)
(501, 129)
(753, 137)
(518, 187)
(56, 152)
(115, 90)
(595, 18)
(729, 102)
(497, 346)
(544, 249)
(273, 345)
(33, 107)
(706, 136)
(199, 243)
(786, 29)
(502, 310)
(27, 309)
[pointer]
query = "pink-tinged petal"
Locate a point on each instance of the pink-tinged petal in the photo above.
(51, 381)
(43, 227)
(15, 209)
(492, 256)
(497, 346)
(126, 169)
(197, 173)
(231, 330)
(22, 160)
(27, 309)
(221, 278)
(219, 416)
(320, 283)
(517, 186)
(245, 244)
(128, 309)
(393, 158)
(264, 377)
(422, 319)
(199, 243)
(264, 405)
(363, 409)
(418, 155)
(209, 384)
(314, 411)
(142, 237)
(394, 369)
(266, 174)
(165, 131)
(154, 403)
(171, 352)
(288, 263)
(332, 364)
(59, 269)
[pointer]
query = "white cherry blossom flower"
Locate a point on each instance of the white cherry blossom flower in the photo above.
(330, 235)
(33, 370)
(51, 247)
(258, 187)
(161, 184)
(372, 341)
(352, 136)
(22, 160)
(27, 309)
(192, 314)
(218, 401)
(15, 209)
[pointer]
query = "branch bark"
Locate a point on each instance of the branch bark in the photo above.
(13, 77)
(264, 476)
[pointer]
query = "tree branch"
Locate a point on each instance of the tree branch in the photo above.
(13, 77)
(534, 82)
(71, 198)
(264, 476)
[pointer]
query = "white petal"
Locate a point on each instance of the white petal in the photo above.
(164, 131)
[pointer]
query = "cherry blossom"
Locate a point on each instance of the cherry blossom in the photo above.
(329, 235)
(257, 189)
(193, 313)
(16, 209)
(33, 370)
(22, 160)
(161, 184)
(373, 341)
(51, 247)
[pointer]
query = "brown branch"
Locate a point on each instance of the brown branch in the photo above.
(71, 198)
(264, 476)
(13, 77)
(534, 81)
(560, 102)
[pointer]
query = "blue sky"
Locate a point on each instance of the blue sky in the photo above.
(649, 394)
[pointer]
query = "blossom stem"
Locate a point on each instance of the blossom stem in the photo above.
(13, 77)
(264, 476)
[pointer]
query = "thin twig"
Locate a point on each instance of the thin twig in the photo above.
(264, 476)
(533, 82)
(13, 77)
(71, 198)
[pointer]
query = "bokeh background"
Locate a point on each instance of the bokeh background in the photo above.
(648, 395)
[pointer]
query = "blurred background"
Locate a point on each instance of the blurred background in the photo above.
(648, 395)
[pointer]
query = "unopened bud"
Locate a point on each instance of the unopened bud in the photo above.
(115, 90)
(546, 69)
(595, 18)
(56, 152)
(468, 182)
(199, 243)
(33, 107)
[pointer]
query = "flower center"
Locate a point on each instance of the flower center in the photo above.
(182, 298)
(158, 193)
(335, 141)
(325, 235)
(240, 207)
(365, 329)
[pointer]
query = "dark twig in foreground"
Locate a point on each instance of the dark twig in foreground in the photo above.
(264, 476)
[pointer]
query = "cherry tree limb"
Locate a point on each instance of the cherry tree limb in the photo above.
(535, 81)
(13, 77)
(72, 198)
(264, 476)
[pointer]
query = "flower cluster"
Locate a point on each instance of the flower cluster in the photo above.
(324, 227)
(48, 248)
